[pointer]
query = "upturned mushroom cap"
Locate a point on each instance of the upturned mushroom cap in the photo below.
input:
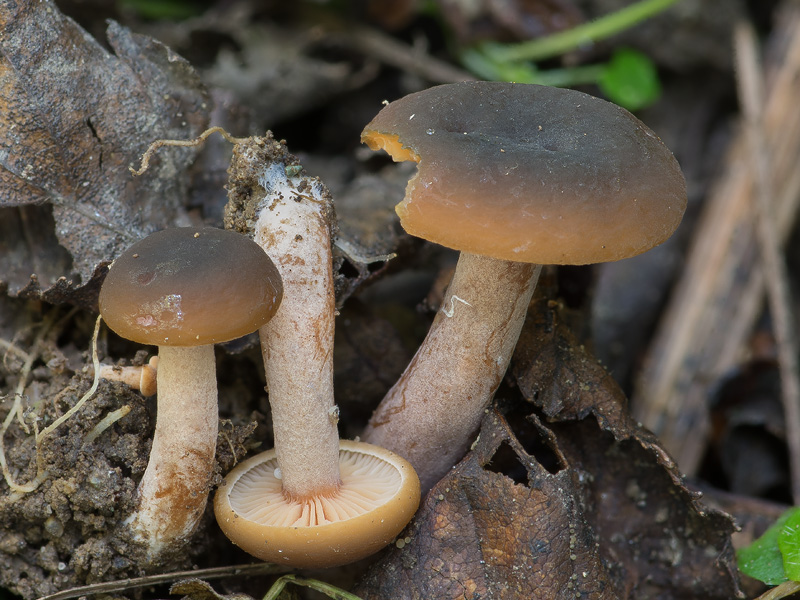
(190, 286)
(530, 173)
(378, 495)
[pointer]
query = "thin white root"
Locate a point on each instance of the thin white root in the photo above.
(183, 144)
(41, 473)
(105, 423)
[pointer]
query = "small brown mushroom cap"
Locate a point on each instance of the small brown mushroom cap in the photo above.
(378, 495)
(530, 173)
(190, 286)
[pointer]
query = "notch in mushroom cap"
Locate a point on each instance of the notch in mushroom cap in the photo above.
(184, 289)
(530, 173)
(513, 176)
(378, 495)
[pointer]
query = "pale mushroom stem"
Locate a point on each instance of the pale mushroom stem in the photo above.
(173, 492)
(437, 404)
(142, 378)
(297, 344)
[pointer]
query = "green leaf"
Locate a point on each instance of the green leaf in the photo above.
(630, 79)
(763, 559)
(789, 544)
(482, 62)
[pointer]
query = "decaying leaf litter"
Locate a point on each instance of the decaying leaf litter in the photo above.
(606, 512)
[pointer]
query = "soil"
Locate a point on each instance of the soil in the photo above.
(69, 530)
(311, 77)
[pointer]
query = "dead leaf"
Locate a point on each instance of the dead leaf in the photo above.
(747, 441)
(662, 538)
(275, 74)
(197, 589)
(369, 235)
(370, 355)
(481, 535)
(73, 117)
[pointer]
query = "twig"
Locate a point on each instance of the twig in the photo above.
(137, 582)
(778, 295)
(784, 590)
(718, 298)
(389, 51)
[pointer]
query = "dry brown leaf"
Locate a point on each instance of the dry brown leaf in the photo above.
(662, 538)
(73, 117)
(275, 74)
(481, 535)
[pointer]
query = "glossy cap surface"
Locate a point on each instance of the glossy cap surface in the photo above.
(190, 286)
(530, 173)
(378, 496)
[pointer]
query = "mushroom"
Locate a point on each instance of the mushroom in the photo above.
(377, 495)
(513, 176)
(184, 290)
(142, 377)
(318, 501)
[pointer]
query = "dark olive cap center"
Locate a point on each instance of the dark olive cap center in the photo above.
(190, 286)
(530, 173)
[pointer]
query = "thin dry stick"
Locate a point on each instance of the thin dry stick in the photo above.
(778, 296)
(407, 58)
(784, 590)
(137, 582)
(702, 333)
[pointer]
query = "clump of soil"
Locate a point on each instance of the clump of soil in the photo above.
(66, 531)
(70, 530)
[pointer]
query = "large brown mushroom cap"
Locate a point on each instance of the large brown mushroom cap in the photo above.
(378, 495)
(190, 286)
(530, 173)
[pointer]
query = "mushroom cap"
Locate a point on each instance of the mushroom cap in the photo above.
(530, 173)
(378, 495)
(190, 286)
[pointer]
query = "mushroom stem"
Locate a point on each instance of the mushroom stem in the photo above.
(437, 404)
(142, 378)
(297, 344)
(173, 492)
